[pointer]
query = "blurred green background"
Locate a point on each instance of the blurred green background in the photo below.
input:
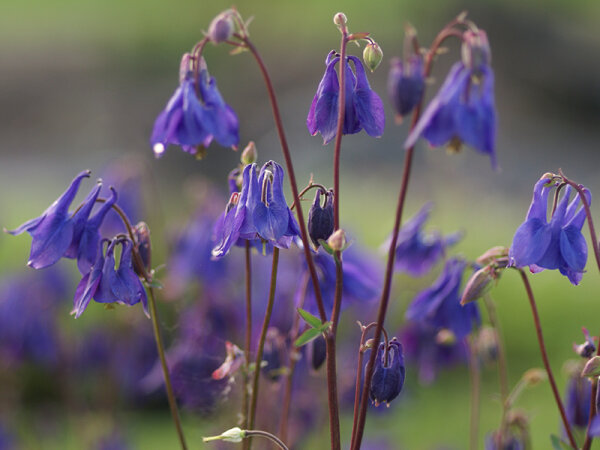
(81, 83)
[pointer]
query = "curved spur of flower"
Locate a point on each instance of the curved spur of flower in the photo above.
(86, 247)
(439, 305)
(555, 244)
(236, 220)
(363, 107)
(389, 373)
(463, 110)
(417, 252)
(271, 216)
(52, 232)
(188, 122)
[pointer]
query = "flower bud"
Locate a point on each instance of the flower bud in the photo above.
(221, 28)
(592, 368)
(478, 285)
(249, 154)
(587, 349)
(340, 19)
(317, 352)
(406, 84)
(320, 219)
(143, 245)
(232, 435)
(372, 55)
(389, 373)
(337, 241)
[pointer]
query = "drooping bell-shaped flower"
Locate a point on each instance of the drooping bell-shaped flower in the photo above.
(555, 244)
(52, 232)
(463, 110)
(577, 401)
(363, 107)
(320, 218)
(439, 307)
(195, 115)
(406, 84)
(389, 373)
(416, 251)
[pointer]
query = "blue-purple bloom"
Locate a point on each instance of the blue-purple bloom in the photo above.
(195, 115)
(364, 108)
(577, 400)
(52, 232)
(509, 442)
(557, 244)
(105, 284)
(463, 110)
(406, 84)
(439, 306)
(389, 373)
(416, 251)
(258, 212)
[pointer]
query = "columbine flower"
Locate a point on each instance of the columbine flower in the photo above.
(388, 376)
(463, 110)
(417, 252)
(320, 218)
(53, 231)
(364, 108)
(557, 244)
(406, 84)
(105, 284)
(439, 305)
(192, 122)
(577, 400)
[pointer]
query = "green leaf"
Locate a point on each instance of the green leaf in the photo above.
(307, 336)
(313, 321)
(155, 284)
(324, 327)
(558, 443)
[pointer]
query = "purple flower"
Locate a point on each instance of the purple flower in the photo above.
(105, 284)
(191, 121)
(363, 108)
(417, 252)
(439, 305)
(388, 376)
(320, 218)
(425, 352)
(258, 213)
(557, 244)
(463, 110)
(52, 232)
(577, 400)
(406, 84)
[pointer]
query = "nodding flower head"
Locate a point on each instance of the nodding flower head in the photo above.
(196, 114)
(388, 376)
(406, 84)
(554, 244)
(363, 107)
(463, 110)
(320, 218)
(439, 307)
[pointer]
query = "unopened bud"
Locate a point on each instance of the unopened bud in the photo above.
(372, 55)
(492, 255)
(221, 28)
(232, 435)
(592, 368)
(337, 241)
(340, 19)
(143, 244)
(534, 376)
(478, 284)
(320, 219)
(249, 154)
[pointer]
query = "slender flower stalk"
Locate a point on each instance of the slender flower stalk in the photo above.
(475, 378)
(538, 329)
(245, 377)
(446, 32)
(271, 437)
(263, 336)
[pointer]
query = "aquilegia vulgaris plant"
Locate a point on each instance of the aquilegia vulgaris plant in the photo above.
(278, 282)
